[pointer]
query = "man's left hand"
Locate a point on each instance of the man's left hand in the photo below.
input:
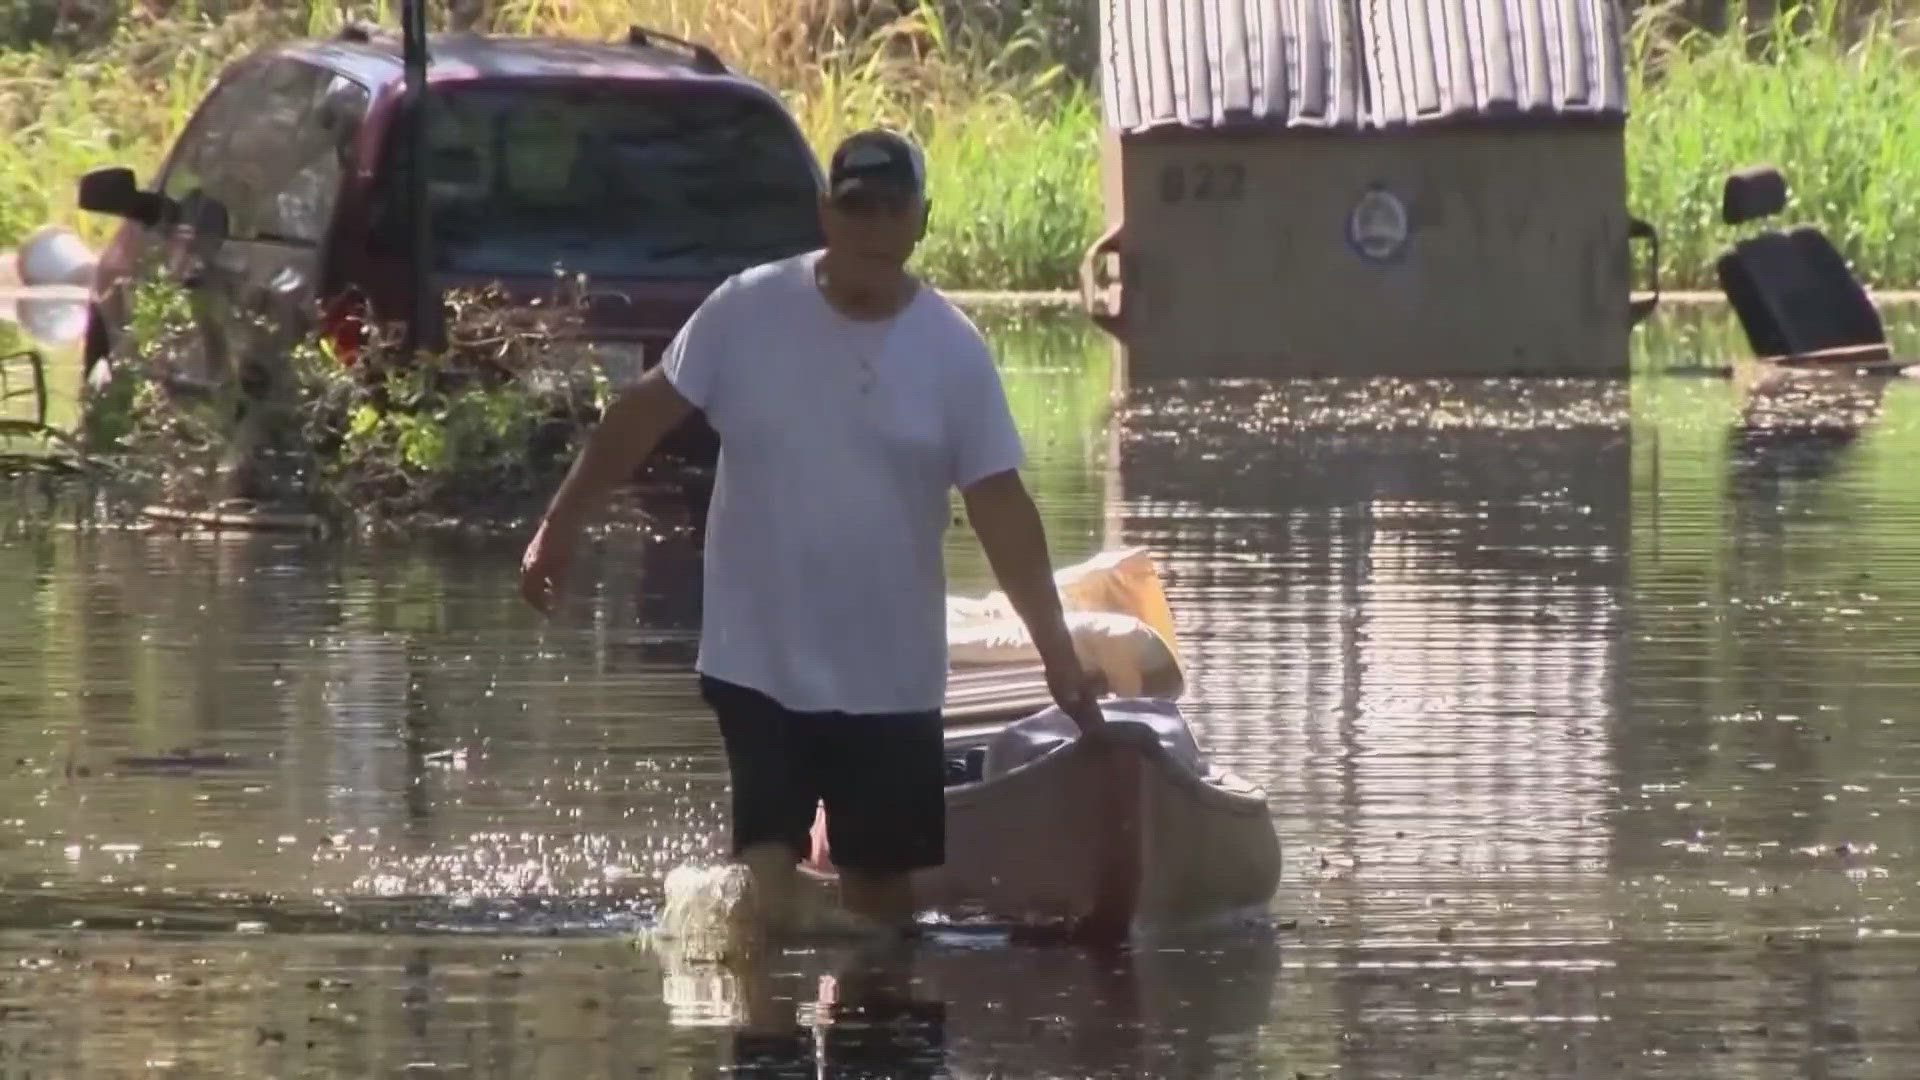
(1008, 524)
(1077, 691)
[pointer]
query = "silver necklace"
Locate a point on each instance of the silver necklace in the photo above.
(863, 357)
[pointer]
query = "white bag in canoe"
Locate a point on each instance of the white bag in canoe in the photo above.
(1130, 655)
(1121, 626)
(1123, 582)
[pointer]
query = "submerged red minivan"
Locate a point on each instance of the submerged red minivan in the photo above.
(646, 165)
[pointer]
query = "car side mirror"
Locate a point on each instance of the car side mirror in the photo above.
(114, 191)
(208, 219)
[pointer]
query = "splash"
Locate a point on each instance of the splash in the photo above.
(711, 913)
(722, 913)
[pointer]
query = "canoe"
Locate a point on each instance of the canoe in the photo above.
(1125, 831)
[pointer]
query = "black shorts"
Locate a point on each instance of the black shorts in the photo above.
(881, 775)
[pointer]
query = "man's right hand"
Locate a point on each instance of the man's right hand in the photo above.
(636, 420)
(544, 567)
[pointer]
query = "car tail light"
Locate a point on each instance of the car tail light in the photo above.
(343, 326)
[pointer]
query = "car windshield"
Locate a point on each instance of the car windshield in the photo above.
(624, 181)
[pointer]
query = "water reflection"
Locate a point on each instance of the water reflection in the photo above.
(948, 1007)
(1585, 713)
(1426, 585)
(48, 316)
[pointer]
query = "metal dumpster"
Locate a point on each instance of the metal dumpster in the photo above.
(1365, 187)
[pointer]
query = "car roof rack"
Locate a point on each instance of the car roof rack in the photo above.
(705, 60)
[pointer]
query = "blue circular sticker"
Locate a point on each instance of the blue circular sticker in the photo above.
(1378, 226)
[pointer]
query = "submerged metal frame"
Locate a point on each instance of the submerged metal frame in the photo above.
(37, 364)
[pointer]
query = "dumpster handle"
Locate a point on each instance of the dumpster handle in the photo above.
(1639, 309)
(1101, 285)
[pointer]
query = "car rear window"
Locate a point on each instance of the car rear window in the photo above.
(626, 181)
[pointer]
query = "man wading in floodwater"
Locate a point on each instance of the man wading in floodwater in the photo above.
(850, 399)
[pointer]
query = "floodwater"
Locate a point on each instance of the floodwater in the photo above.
(1588, 713)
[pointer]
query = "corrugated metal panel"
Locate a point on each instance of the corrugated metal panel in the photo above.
(1357, 63)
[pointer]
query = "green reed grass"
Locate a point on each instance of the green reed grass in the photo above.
(118, 105)
(1838, 112)
(1012, 140)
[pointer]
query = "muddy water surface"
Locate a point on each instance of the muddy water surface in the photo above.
(1587, 710)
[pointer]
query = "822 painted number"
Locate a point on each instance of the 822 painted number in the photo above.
(1203, 181)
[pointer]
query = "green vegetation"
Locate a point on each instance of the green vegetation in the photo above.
(483, 431)
(1835, 103)
(488, 424)
(1010, 120)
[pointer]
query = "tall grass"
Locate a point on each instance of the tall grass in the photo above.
(1837, 108)
(121, 104)
(1011, 136)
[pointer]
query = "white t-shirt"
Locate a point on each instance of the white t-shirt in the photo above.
(840, 441)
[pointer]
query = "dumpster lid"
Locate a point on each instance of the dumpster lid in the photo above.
(1365, 64)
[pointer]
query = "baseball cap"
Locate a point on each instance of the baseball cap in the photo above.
(877, 162)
